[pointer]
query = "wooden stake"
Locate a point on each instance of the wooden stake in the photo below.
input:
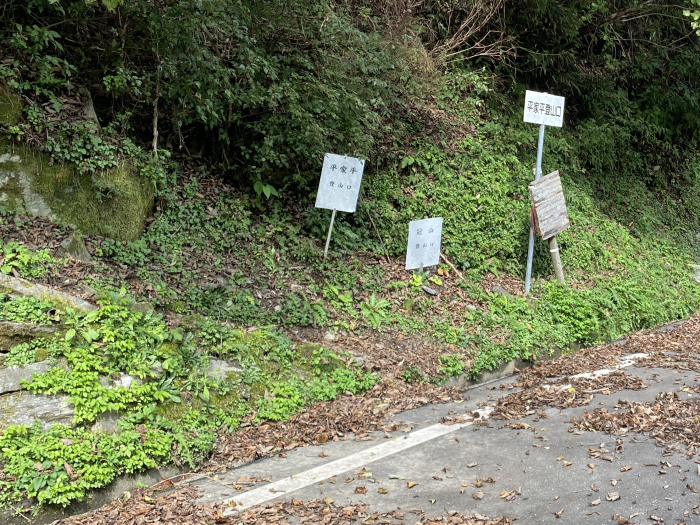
(556, 260)
(453, 267)
(328, 239)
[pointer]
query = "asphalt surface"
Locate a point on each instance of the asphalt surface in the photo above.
(540, 474)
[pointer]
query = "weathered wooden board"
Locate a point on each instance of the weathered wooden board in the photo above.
(550, 208)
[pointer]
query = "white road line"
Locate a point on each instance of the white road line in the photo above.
(304, 479)
(364, 457)
(626, 361)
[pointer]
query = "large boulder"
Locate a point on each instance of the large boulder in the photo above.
(30, 185)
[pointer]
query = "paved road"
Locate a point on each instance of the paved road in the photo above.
(446, 462)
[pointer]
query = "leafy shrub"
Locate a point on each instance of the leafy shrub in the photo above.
(452, 365)
(27, 263)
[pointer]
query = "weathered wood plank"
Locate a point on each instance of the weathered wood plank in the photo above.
(547, 199)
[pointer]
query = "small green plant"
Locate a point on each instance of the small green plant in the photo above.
(412, 374)
(34, 352)
(15, 257)
(15, 133)
(375, 310)
(452, 365)
(263, 188)
(27, 310)
(416, 280)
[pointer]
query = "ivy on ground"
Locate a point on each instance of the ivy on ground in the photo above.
(158, 380)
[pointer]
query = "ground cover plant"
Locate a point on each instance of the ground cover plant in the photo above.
(158, 380)
(225, 110)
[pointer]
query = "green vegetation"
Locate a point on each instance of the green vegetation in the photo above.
(27, 310)
(33, 352)
(250, 95)
(25, 262)
(115, 203)
(170, 405)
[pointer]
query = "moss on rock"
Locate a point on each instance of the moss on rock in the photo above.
(29, 184)
(32, 186)
(10, 107)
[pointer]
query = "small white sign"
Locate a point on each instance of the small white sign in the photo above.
(340, 183)
(543, 108)
(424, 238)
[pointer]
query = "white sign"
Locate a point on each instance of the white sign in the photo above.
(424, 239)
(543, 108)
(340, 183)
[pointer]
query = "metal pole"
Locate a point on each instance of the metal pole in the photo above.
(531, 246)
(328, 239)
(556, 260)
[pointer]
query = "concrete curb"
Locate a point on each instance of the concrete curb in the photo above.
(508, 368)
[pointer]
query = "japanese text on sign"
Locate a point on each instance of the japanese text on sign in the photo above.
(424, 239)
(340, 183)
(543, 108)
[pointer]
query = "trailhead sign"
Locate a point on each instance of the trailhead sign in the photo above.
(339, 187)
(424, 238)
(550, 208)
(543, 108)
(340, 183)
(546, 110)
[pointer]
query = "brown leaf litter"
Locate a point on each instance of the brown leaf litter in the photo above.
(669, 420)
(180, 507)
(564, 393)
(328, 421)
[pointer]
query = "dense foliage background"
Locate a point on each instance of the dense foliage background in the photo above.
(266, 87)
(429, 91)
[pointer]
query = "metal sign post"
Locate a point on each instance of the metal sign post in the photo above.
(546, 110)
(339, 187)
(531, 245)
(424, 240)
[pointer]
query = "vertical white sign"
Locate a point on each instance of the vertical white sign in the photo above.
(340, 183)
(424, 238)
(543, 108)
